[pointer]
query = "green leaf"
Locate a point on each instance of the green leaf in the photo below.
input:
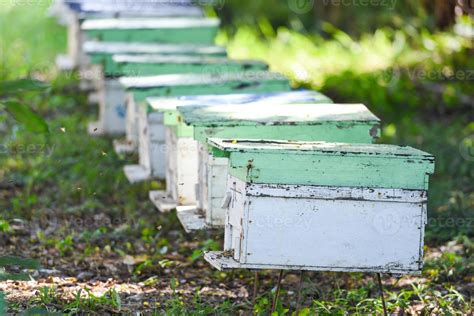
(15, 86)
(19, 262)
(24, 115)
(3, 304)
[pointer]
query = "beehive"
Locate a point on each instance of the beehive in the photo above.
(101, 52)
(182, 149)
(123, 9)
(152, 30)
(74, 13)
(111, 94)
(323, 206)
(322, 121)
(187, 84)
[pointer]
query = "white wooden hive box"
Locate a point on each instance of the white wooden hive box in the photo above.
(324, 206)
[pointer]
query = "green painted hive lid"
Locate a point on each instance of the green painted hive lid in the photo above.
(198, 79)
(326, 164)
(148, 23)
(271, 113)
(111, 48)
(216, 64)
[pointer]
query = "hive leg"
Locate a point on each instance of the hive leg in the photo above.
(277, 293)
(379, 279)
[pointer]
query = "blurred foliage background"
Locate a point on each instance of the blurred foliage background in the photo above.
(352, 16)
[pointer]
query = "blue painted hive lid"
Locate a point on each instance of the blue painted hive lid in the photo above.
(148, 23)
(302, 96)
(198, 79)
(274, 112)
(95, 47)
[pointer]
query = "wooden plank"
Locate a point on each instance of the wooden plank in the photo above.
(328, 229)
(150, 23)
(186, 80)
(353, 123)
(162, 201)
(151, 143)
(136, 173)
(138, 9)
(191, 218)
(300, 96)
(124, 147)
(221, 261)
(112, 108)
(182, 168)
(276, 113)
(308, 163)
(150, 65)
(336, 193)
(102, 53)
(163, 30)
(114, 48)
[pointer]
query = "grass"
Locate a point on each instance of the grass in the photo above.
(64, 199)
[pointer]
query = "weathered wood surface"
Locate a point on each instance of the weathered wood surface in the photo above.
(112, 108)
(221, 80)
(108, 9)
(182, 166)
(141, 23)
(300, 96)
(191, 218)
(212, 186)
(276, 113)
(124, 147)
(163, 30)
(266, 120)
(124, 8)
(148, 65)
(136, 173)
(114, 48)
(323, 228)
(151, 143)
(162, 201)
(102, 52)
(312, 163)
(170, 106)
(131, 119)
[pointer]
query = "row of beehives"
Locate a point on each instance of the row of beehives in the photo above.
(294, 179)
